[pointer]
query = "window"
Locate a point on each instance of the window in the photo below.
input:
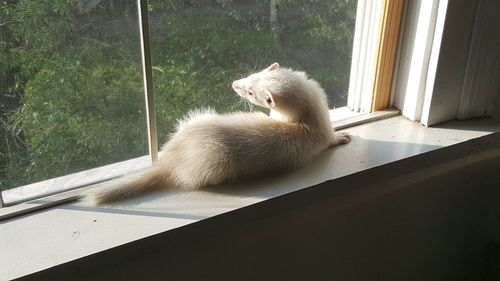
(71, 92)
(376, 145)
(199, 47)
(72, 96)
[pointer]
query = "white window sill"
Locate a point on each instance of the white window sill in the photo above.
(72, 231)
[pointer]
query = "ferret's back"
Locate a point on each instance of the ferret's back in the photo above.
(238, 144)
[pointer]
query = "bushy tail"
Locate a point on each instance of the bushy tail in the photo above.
(129, 187)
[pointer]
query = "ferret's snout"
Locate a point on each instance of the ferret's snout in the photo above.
(236, 85)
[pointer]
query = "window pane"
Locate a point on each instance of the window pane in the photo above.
(199, 47)
(71, 87)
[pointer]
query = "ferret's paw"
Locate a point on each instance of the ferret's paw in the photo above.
(343, 138)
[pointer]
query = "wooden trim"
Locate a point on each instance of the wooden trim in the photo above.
(391, 22)
(365, 54)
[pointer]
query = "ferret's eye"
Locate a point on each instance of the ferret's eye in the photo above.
(250, 93)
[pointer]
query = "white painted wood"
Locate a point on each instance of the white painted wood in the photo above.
(452, 62)
(417, 46)
(364, 57)
(433, 60)
(448, 65)
(480, 84)
(365, 118)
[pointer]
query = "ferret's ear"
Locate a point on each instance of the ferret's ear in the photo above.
(270, 99)
(273, 66)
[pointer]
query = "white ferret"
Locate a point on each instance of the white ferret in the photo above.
(209, 148)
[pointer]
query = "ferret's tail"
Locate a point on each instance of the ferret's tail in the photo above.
(129, 187)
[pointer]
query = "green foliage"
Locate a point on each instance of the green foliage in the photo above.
(80, 117)
(72, 94)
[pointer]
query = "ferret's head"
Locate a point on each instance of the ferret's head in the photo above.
(255, 87)
(288, 92)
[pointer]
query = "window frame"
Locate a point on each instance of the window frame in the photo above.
(418, 55)
(449, 65)
(366, 55)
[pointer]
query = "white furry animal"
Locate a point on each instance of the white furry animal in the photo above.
(210, 148)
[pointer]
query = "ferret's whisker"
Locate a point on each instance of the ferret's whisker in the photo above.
(250, 105)
(243, 103)
(247, 69)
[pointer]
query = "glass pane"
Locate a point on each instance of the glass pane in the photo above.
(71, 87)
(200, 47)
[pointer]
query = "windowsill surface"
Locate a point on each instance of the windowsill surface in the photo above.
(75, 230)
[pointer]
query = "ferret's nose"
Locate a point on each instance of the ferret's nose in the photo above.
(236, 85)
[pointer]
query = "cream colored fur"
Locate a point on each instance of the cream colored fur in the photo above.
(209, 148)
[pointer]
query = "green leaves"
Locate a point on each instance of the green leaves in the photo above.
(77, 117)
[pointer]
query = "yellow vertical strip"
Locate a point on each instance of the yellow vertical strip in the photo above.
(142, 6)
(387, 52)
